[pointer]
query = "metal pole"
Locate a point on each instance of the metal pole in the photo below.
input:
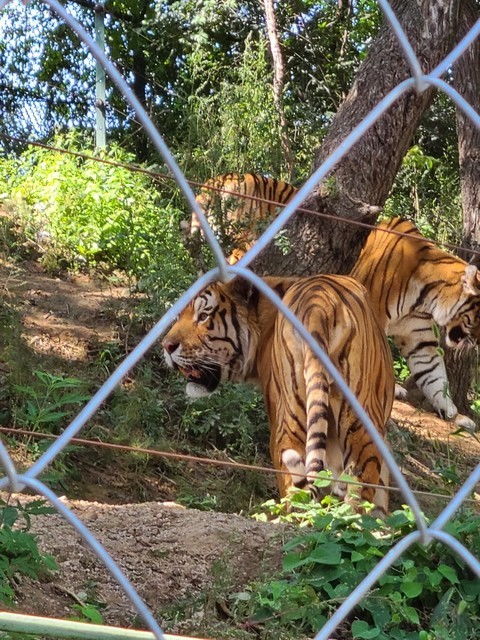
(56, 628)
(100, 129)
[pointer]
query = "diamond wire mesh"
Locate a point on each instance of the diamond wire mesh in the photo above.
(424, 534)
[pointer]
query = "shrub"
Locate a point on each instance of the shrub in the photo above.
(426, 190)
(19, 552)
(85, 213)
(428, 594)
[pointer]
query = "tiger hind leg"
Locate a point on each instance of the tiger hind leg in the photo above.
(295, 465)
(368, 465)
(382, 495)
(335, 462)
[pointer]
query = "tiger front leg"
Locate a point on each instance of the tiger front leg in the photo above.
(416, 340)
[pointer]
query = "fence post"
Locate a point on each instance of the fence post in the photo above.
(100, 129)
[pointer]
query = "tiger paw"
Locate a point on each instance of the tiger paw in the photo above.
(378, 513)
(465, 422)
(400, 392)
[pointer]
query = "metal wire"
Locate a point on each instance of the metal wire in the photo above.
(186, 457)
(161, 177)
(424, 534)
(406, 46)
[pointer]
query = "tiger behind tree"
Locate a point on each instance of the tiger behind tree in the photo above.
(232, 332)
(413, 284)
(236, 218)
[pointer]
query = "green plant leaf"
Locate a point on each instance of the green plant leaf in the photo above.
(293, 560)
(412, 589)
(411, 615)
(361, 629)
(9, 516)
(442, 608)
(328, 553)
(448, 572)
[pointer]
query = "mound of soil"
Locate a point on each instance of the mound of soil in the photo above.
(171, 555)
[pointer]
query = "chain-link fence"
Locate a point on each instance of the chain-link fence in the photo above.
(38, 103)
(424, 534)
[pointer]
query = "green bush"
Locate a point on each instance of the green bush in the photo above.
(428, 594)
(155, 409)
(426, 190)
(234, 128)
(48, 402)
(233, 418)
(85, 213)
(19, 552)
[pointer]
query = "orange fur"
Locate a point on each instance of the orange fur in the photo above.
(231, 332)
(239, 219)
(414, 284)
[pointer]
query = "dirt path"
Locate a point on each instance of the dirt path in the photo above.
(67, 318)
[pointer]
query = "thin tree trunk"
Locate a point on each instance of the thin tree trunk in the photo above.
(139, 84)
(359, 184)
(278, 83)
(466, 79)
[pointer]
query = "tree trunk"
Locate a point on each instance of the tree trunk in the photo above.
(366, 173)
(278, 83)
(466, 79)
(139, 84)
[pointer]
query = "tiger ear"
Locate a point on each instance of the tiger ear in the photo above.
(243, 289)
(471, 280)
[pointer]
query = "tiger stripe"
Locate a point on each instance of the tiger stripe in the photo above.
(414, 284)
(237, 218)
(311, 426)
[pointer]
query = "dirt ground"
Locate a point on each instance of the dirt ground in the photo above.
(66, 317)
(171, 554)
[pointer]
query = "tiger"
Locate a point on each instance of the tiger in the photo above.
(232, 332)
(412, 285)
(239, 218)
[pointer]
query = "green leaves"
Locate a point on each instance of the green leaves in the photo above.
(329, 553)
(427, 594)
(89, 612)
(99, 215)
(449, 573)
(19, 553)
(412, 589)
(48, 401)
(362, 629)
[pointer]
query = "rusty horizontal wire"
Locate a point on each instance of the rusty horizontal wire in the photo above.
(160, 177)
(186, 457)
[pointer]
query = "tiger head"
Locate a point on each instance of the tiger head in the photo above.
(215, 337)
(463, 330)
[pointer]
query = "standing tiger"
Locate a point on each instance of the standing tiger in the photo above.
(413, 284)
(233, 332)
(236, 217)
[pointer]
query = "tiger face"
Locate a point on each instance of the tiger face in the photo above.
(213, 339)
(463, 330)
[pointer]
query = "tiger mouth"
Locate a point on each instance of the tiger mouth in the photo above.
(459, 339)
(208, 378)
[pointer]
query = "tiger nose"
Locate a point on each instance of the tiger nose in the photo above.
(169, 346)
